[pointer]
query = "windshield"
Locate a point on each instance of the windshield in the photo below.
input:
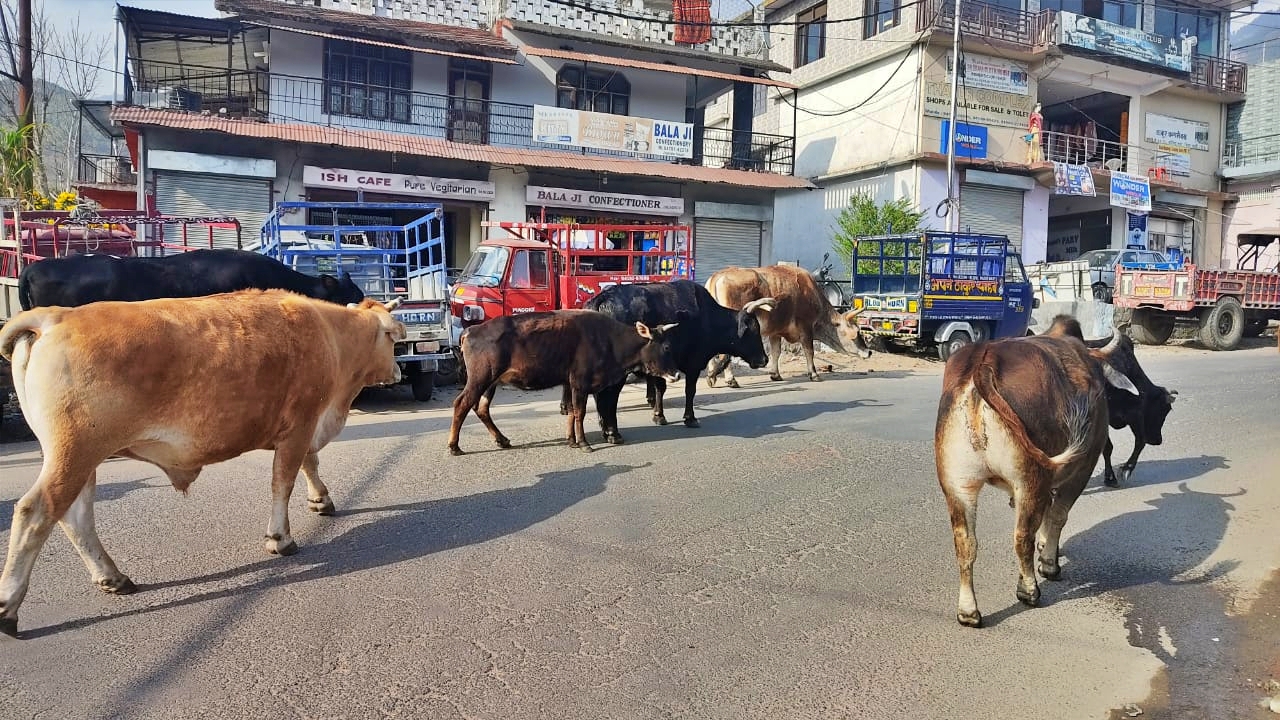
(1100, 258)
(485, 267)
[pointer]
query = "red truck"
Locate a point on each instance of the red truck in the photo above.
(1226, 305)
(541, 266)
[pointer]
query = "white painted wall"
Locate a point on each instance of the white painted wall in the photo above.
(1035, 225)
(1258, 209)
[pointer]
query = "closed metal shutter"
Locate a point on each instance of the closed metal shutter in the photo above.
(997, 211)
(718, 244)
(192, 195)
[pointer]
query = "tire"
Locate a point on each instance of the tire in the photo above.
(423, 385)
(1101, 292)
(1254, 328)
(958, 339)
(1150, 327)
(1222, 326)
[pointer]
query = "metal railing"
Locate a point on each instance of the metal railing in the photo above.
(1252, 151)
(1032, 31)
(1219, 74)
(314, 101)
(105, 170)
(1081, 150)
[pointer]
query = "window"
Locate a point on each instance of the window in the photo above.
(367, 81)
(811, 35)
(1119, 12)
(469, 83)
(529, 269)
(605, 91)
(1174, 21)
(1163, 234)
(880, 16)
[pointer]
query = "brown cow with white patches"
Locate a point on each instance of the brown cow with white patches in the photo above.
(800, 314)
(181, 384)
(1028, 415)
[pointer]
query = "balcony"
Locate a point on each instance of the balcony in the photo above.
(1030, 32)
(1081, 150)
(105, 170)
(1219, 75)
(1251, 156)
(291, 99)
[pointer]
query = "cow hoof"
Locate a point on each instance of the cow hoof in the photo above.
(659, 420)
(323, 506)
(613, 439)
(776, 377)
(973, 619)
(586, 448)
(503, 443)
(1049, 571)
(564, 410)
(117, 586)
(692, 422)
(277, 547)
(9, 626)
(1030, 599)
(1125, 474)
(734, 383)
(455, 450)
(814, 377)
(711, 382)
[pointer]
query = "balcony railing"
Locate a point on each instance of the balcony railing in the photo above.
(313, 101)
(1252, 151)
(106, 170)
(1081, 150)
(1030, 31)
(1219, 74)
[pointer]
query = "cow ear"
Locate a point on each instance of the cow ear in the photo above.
(682, 316)
(330, 282)
(1115, 378)
(643, 330)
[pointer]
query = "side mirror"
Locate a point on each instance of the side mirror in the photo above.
(1035, 303)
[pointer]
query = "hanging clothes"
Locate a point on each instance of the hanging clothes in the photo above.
(693, 21)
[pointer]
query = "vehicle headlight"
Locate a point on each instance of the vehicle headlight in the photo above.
(472, 313)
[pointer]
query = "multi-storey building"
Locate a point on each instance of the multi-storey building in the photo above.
(503, 110)
(1251, 163)
(1138, 87)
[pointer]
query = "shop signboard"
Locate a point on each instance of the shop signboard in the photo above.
(1131, 192)
(1131, 43)
(621, 203)
(1167, 130)
(979, 106)
(604, 131)
(971, 140)
(397, 184)
(1073, 180)
(989, 73)
(1176, 160)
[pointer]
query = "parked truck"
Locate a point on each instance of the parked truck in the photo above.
(940, 290)
(386, 260)
(1225, 305)
(538, 266)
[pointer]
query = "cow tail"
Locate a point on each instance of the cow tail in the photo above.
(24, 291)
(984, 382)
(28, 323)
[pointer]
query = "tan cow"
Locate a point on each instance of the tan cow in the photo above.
(801, 314)
(181, 384)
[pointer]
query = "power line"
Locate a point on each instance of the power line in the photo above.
(714, 23)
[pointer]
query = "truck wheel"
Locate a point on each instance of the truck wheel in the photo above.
(1254, 328)
(423, 385)
(958, 339)
(1150, 328)
(1222, 327)
(1101, 292)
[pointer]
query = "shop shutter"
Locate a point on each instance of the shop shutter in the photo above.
(718, 244)
(192, 195)
(993, 210)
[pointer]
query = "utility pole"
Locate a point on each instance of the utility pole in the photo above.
(953, 192)
(26, 85)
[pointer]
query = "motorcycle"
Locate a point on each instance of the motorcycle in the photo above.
(829, 286)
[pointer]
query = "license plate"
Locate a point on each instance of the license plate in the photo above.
(887, 325)
(418, 318)
(1163, 292)
(428, 346)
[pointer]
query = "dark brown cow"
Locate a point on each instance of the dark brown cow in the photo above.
(584, 349)
(800, 314)
(1028, 415)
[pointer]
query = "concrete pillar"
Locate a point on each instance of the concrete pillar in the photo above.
(1136, 163)
(508, 204)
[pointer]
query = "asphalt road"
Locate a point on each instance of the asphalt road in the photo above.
(790, 559)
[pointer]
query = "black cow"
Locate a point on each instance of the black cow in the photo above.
(705, 329)
(82, 279)
(583, 350)
(1144, 413)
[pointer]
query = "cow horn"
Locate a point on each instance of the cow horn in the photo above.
(1113, 343)
(353, 306)
(394, 304)
(854, 313)
(667, 327)
(759, 304)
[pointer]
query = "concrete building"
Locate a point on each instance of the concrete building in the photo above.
(1138, 87)
(504, 110)
(1251, 163)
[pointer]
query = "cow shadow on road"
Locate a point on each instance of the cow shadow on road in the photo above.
(1159, 472)
(106, 492)
(398, 533)
(753, 423)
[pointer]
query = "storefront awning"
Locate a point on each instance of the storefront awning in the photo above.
(529, 50)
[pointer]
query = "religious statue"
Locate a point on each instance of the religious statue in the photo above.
(1034, 125)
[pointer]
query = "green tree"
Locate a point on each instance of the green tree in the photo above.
(865, 218)
(16, 166)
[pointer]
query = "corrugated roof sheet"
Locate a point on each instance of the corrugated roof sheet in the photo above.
(381, 141)
(458, 38)
(646, 65)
